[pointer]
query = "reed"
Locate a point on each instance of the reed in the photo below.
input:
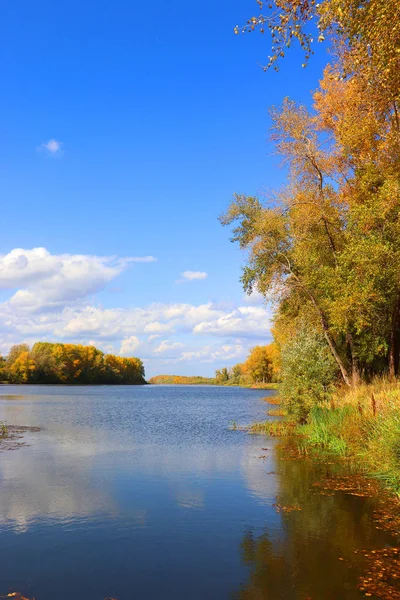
(278, 428)
(363, 425)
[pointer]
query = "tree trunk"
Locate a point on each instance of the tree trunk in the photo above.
(355, 371)
(394, 341)
(327, 335)
(332, 346)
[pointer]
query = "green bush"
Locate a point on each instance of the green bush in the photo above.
(308, 374)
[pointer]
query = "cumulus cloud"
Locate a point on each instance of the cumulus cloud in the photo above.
(156, 328)
(129, 345)
(203, 319)
(114, 324)
(193, 275)
(210, 354)
(51, 147)
(51, 298)
(167, 347)
(241, 322)
(46, 280)
(153, 337)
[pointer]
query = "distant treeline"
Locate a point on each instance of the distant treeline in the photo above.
(181, 380)
(68, 363)
(262, 367)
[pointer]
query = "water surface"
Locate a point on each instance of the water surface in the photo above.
(144, 493)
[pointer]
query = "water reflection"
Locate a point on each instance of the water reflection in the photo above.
(312, 555)
(146, 494)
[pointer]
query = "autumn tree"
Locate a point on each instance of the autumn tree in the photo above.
(368, 32)
(15, 352)
(259, 365)
(237, 374)
(22, 369)
(328, 246)
(222, 376)
(70, 363)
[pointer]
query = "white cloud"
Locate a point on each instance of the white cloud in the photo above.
(72, 321)
(129, 345)
(166, 347)
(210, 354)
(51, 147)
(255, 298)
(193, 275)
(51, 298)
(142, 259)
(51, 281)
(157, 328)
(244, 321)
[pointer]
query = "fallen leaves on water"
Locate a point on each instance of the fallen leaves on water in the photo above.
(387, 512)
(19, 596)
(382, 577)
(288, 508)
(353, 485)
(291, 452)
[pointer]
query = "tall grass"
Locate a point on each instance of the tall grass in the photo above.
(362, 424)
(276, 428)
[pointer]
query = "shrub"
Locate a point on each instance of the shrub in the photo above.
(308, 374)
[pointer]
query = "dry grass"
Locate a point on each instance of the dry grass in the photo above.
(277, 412)
(362, 424)
(279, 428)
(275, 400)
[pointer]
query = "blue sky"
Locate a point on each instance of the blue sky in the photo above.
(126, 128)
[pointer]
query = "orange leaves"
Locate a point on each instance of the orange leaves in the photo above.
(262, 364)
(70, 363)
(19, 596)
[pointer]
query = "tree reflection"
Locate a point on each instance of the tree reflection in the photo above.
(311, 555)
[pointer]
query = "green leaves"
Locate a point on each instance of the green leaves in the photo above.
(308, 373)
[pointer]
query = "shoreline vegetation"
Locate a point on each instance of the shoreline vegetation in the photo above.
(71, 364)
(325, 249)
(360, 426)
(259, 371)
(194, 380)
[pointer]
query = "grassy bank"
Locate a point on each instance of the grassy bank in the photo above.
(361, 425)
(195, 380)
(261, 386)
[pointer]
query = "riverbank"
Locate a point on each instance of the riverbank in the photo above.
(195, 380)
(356, 440)
(361, 425)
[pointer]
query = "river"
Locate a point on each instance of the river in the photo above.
(146, 493)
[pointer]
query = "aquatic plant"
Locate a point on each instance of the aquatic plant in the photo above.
(277, 428)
